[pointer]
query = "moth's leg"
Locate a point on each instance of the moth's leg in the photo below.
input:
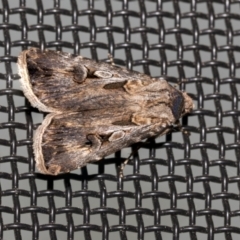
(183, 80)
(178, 126)
(127, 159)
(123, 166)
(110, 57)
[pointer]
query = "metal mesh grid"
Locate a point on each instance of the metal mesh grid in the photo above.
(177, 186)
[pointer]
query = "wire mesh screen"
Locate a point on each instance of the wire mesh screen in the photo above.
(178, 186)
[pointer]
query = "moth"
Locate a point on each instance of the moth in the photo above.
(95, 108)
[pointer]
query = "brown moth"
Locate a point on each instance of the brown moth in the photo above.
(95, 108)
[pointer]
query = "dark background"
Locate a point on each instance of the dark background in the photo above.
(178, 186)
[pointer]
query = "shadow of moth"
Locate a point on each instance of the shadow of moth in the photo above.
(95, 108)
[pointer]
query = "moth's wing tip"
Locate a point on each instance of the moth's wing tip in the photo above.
(37, 147)
(27, 86)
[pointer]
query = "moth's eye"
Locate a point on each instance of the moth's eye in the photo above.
(177, 105)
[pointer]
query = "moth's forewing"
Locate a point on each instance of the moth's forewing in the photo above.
(59, 82)
(65, 142)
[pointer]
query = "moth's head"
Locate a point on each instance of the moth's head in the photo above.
(181, 104)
